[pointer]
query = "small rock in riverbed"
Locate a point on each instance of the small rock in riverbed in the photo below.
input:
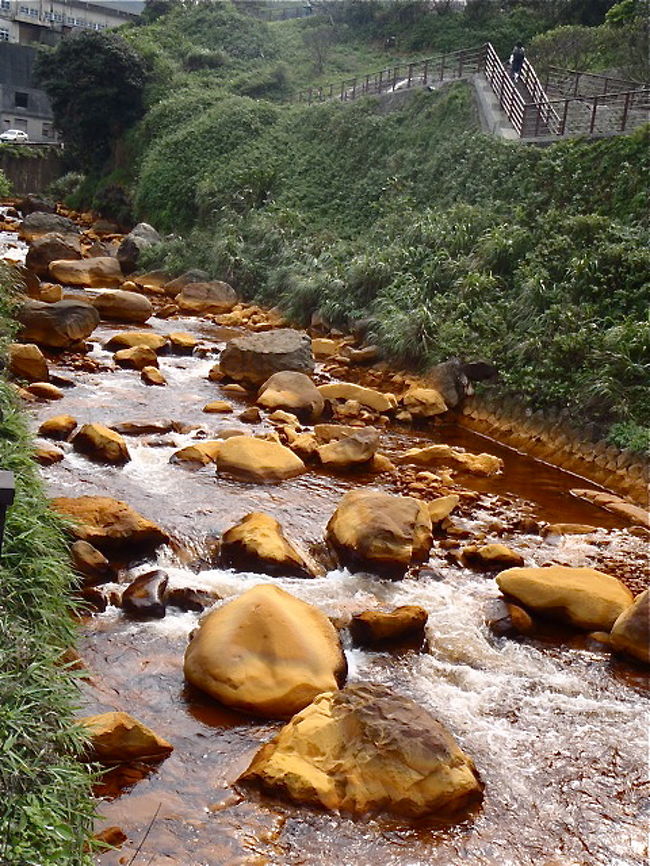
(144, 597)
(491, 556)
(118, 737)
(136, 358)
(258, 543)
(91, 562)
(46, 454)
(505, 619)
(45, 391)
(102, 444)
(152, 376)
(59, 427)
(376, 626)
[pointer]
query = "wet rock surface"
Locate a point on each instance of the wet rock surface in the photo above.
(266, 653)
(365, 749)
(380, 532)
(254, 358)
(59, 325)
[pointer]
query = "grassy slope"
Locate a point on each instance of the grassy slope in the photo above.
(449, 240)
(45, 809)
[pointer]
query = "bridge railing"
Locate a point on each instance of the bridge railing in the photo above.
(572, 82)
(593, 115)
(401, 76)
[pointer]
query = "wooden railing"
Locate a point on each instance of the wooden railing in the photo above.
(525, 102)
(572, 82)
(605, 114)
(402, 76)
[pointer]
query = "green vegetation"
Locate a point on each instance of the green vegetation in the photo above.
(45, 809)
(95, 83)
(5, 186)
(399, 212)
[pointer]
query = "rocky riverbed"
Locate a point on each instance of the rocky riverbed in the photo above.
(552, 719)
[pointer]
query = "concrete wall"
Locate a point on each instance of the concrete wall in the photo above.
(31, 173)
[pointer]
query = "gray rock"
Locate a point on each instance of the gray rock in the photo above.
(140, 238)
(450, 381)
(253, 358)
(37, 224)
(194, 275)
(213, 297)
(57, 325)
(49, 248)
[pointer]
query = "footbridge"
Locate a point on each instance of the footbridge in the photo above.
(568, 103)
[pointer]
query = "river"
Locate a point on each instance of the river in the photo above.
(556, 726)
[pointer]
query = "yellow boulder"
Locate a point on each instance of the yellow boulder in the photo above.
(424, 402)
(250, 459)
(365, 396)
(476, 464)
(583, 597)
(266, 653)
(102, 444)
(378, 531)
(258, 543)
(363, 750)
(118, 737)
(631, 631)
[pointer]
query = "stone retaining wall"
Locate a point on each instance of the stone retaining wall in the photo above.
(31, 173)
(552, 438)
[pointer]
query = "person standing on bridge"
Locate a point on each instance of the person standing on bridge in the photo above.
(517, 60)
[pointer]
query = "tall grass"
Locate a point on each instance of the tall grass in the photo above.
(45, 805)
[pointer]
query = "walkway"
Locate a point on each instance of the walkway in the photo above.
(581, 103)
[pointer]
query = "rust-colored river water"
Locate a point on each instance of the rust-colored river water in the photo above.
(556, 727)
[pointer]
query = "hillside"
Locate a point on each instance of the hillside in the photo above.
(402, 213)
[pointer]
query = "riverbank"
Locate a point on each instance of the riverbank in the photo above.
(45, 807)
(514, 700)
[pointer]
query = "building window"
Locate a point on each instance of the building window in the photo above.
(5, 4)
(47, 130)
(4, 35)
(24, 10)
(21, 100)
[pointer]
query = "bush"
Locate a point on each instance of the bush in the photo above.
(66, 186)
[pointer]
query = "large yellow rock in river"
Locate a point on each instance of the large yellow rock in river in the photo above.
(363, 750)
(476, 464)
(366, 396)
(266, 653)
(102, 444)
(250, 459)
(99, 272)
(631, 631)
(108, 523)
(583, 597)
(117, 737)
(378, 531)
(257, 543)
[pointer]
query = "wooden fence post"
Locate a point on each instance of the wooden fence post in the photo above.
(626, 108)
(593, 116)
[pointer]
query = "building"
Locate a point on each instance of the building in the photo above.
(25, 24)
(47, 21)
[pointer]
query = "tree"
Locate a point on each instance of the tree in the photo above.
(319, 41)
(95, 83)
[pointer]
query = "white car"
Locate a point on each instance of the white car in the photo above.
(17, 135)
